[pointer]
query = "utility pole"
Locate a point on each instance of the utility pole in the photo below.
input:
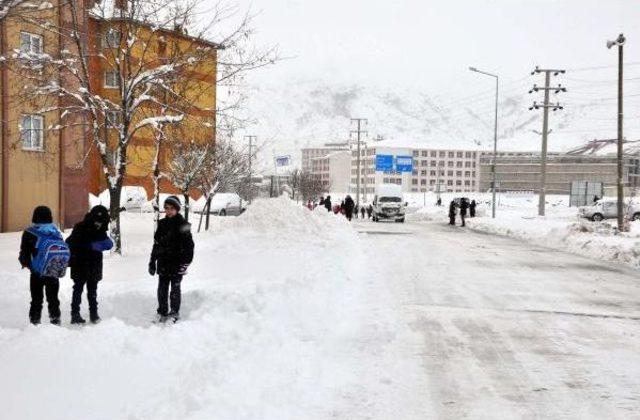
(359, 122)
(495, 141)
(251, 139)
(545, 126)
(620, 43)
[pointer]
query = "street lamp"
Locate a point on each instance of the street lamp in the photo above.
(620, 43)
(495, 144)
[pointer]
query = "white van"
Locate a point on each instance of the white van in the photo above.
(388, 204)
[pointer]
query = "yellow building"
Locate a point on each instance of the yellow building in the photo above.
(40, 160)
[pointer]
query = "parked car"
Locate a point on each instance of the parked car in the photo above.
(608, 209)
(227, 204)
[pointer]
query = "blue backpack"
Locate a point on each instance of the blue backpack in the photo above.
(52, 253)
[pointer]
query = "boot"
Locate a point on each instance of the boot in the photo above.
(55, 321)
(94, 317)
(77, 319)
(35, 321)
(174, 316)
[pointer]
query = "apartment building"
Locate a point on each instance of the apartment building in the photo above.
(433, 169)
(310, 153)
(43, 163)
(333, 170)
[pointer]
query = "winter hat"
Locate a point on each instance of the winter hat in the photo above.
(42, 214)
(173, 201)
(99, 214)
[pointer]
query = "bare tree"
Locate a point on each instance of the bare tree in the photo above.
(146, 100)
(304, 185)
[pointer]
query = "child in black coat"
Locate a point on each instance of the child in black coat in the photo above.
(40, 285)
(87, 242)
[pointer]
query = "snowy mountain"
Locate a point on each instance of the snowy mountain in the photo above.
(306, 113)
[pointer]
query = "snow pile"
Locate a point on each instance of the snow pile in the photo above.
(276, 323)
(288, 220)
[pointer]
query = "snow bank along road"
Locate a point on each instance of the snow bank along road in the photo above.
(291, 314)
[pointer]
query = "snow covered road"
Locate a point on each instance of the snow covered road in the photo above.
(510, 330)
(290, 314)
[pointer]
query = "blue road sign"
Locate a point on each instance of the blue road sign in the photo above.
(404, 163)
(384, 163)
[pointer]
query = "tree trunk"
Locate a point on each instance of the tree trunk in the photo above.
(186, 206)
(114, 212)
(208, 207)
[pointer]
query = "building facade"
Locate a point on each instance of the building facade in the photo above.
(444, 170)
(520, 171)
(44, 163)
(333, 171)
(310, 153)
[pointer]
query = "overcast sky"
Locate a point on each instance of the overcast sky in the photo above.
(430, 44)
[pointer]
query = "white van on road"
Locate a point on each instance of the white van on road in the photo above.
(388, 204)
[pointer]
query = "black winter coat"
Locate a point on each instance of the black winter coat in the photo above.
(172, 245)
(27, 249)
(85, 263)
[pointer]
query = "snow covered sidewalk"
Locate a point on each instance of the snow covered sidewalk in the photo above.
(279, 322)
(561, 228)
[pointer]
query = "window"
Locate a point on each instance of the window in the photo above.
(467, 183)
(424, 163)
(458, 164)
(443, 154)
(458, 182)
(451, 155)
(111, 79)
(414, 172)
(423, 182)
(467, 174)
(384, 181)
(414, 182)
(467, 164)
(449, 173)
(113, 119)
(111, 39)
(450, 182)
(434, 163)
(425, 153)
(423, 172)
(433, 153)
(432, 182)
(30, 43)
(458, 173)
(467, 155)
(32, 132)
(450, 164)
(458, 154)
(432, 173)
(416, 153)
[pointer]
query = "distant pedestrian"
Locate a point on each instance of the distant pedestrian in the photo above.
(356, 210)
(45, 254)
(87, 242)
(452, 213)
(362, 211)
(595, 199)
(327, 203)
(348, 206)
(321, 203)
(310, 204)
(464, 205)
(369, 211)
(472, 208)
(439, 202)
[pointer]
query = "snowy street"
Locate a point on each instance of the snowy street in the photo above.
(292, 314)
(511, 329)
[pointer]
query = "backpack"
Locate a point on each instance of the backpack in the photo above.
(52, 253)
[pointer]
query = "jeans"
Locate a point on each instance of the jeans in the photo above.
(39, 287)
(164, 296)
